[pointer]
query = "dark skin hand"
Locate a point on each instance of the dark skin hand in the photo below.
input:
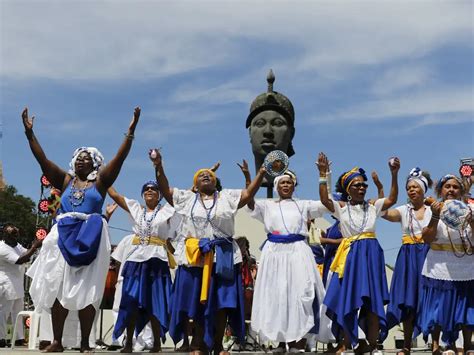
(10, 238)
(60, 179)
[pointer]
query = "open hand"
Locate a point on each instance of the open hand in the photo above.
(215, 166)
(323, 163)
(376, 179)
(244, 167)
(27, 122)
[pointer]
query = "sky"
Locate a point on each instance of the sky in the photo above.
(368, 79)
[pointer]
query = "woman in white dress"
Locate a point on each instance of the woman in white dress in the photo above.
(146, 275)
(70, 271)
(447, 295)
(289, 290)
(208, 289)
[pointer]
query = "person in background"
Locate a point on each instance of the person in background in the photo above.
(13, 256)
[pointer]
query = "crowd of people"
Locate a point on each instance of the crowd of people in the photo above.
(190, 233)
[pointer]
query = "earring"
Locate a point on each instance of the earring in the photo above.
(349, 197)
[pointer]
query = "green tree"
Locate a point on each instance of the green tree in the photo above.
(19, 210)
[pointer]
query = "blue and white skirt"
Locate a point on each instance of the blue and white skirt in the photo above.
(447, 304)
(363, 288)
(405, 289)
(146, 288)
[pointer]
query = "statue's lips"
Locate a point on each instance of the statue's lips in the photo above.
(268, 144)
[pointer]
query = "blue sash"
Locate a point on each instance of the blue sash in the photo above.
(79, 239)
(283, 238)
(224, 249)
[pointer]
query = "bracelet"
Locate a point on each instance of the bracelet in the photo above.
(129, 136)
(323, 180)
(436, 218)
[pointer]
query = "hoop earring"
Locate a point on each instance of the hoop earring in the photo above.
(349, 198)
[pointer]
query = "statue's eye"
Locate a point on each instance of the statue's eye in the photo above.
(278, 122)
(260, 122)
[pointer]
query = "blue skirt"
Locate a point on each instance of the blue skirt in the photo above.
(405, 289)
(146, 290)
(185, 304)
(223, 294)
(447, 304)
(363, 287)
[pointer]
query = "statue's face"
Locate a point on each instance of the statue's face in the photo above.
(270, 131)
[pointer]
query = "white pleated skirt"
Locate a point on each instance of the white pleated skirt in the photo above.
(288, 282)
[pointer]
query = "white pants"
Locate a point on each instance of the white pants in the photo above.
(7, 308)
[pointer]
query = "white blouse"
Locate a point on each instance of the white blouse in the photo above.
(11, 274)
(163, 226)
(416, 227)
(357, 219)
(286, 216)
(216, 219)
(445, 265)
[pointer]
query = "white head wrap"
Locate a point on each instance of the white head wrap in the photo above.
(287, 173)
(97, 161)
(416, 175)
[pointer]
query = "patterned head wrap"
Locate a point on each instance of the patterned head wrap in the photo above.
(97, 161)
(150, 183)
(287, 173)
(447, 177)
(211, 173)
(416, 176)
(348, 177)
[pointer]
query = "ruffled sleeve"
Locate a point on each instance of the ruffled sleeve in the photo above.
(378, 206)
(316, 209)
(181, 200)
(258, 211)
(233, 198)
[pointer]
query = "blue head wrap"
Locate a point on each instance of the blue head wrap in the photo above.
(349, 176)
(150, 183)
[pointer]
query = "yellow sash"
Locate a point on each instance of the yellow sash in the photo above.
(339, 261)
(152, 240)
(447, 247)
(194, 256)
(408, 239)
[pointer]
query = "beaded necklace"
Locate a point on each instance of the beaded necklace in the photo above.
(365, 218)
(283, 219)
(411, 218)
(77, 195)
(146, 225)
(209, 219)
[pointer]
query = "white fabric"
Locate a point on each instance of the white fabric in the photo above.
(444, 265)
(75, 287)
(222, 217)
(7, 308)
(120, 253)
(162, 226)
(357, 214)
(417, 226)
(295, 215)
(288, 279)
(11, 274)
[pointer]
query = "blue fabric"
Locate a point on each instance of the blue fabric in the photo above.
(146, 291)
(224, 249)
(185, 301)
(79, 240)
(363, 287)
(405, 289)
(228, 294)
(332, 232)
(285, 238)
(447, 304)
(92, 203)
(318, 253)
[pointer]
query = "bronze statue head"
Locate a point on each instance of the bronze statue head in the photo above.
(271, 123)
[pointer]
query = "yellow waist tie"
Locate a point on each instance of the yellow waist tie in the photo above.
(408, 239)
(151, 240)
(194, 256)
(339, 261)
(447, 247)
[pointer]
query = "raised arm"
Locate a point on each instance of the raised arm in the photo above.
(429, 232)
(28, 254)
(392, 215)
(163, 184)
(119, 199)
(110, 172)
(378, 184)
(245, 170)
(323, 167)
(52, 172)
(392, 197)
(248, 193)
(109, 210)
